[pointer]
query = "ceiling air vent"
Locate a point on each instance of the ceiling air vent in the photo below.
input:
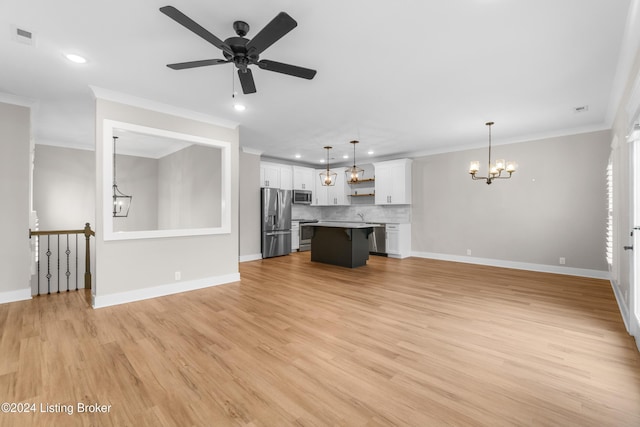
(23, 36)
(581, 109)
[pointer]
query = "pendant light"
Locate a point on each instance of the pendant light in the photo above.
(354, 173)
(121, 202)
(328, 178)
(495, 170)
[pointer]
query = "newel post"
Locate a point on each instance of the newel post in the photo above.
(87, 264)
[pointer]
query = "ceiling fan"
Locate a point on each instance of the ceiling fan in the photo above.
(240, 50)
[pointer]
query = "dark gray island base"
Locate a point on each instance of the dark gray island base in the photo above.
(341, 243)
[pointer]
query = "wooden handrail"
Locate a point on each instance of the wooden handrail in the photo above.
(87, 231)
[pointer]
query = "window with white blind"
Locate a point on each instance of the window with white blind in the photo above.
(609, 245)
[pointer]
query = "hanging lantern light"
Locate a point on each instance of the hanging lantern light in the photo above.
(328, 178)
(121, 202)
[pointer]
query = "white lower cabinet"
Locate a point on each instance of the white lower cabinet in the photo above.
(295, 236)
(398, 240)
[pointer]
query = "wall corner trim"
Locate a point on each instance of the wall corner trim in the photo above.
(13, 296)
(542, 268)
(101, 301)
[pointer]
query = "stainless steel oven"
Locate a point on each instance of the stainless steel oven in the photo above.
(305, 234)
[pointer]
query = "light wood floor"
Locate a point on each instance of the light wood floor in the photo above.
(399, 342)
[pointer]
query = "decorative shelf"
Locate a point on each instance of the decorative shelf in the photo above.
(362, 195)
(362, 181)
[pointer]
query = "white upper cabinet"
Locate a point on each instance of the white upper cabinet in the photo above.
(286, 177)
(273, 175)
(334, 195)
(393, 182)
(303, 178)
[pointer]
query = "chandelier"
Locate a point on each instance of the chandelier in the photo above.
(354, 173)
(328, 178)
(121, 202)
(495, 170)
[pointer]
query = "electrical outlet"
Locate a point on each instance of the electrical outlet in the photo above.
(562, 261)
(178, 275)
(468, 251)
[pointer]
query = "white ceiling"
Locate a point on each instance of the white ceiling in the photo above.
(410, 76)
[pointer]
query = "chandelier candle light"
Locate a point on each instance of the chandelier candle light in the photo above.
(121, 202)
(354, 173)
(495, 170)
(328, 178)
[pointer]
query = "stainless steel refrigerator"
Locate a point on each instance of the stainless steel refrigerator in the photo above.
(276, 222)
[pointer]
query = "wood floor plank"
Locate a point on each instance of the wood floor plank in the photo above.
(410, 342)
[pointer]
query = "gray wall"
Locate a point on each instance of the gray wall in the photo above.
(189, 188)
(64, 187)
(135, 266)
(249, 205)
(15, 258)
(137, 177)
(553, 207)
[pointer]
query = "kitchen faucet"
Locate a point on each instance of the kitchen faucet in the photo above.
(360, 215)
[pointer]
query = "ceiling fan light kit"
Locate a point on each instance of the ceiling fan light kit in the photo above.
(240, 51)
(494, 169)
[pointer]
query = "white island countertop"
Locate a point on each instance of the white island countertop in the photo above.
(340, 224)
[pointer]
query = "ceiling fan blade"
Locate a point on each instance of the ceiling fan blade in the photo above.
(271, 33)
(190, 24)
(194, 64)
(291, 70)
(246, 80)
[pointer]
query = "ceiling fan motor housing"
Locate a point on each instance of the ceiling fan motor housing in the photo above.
(241, 28)
(240, 57)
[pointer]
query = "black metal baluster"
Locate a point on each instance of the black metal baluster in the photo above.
(68, 273)
(38, 261)
(58, 262)
(48, 253)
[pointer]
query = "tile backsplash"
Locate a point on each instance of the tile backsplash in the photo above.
(372, 213)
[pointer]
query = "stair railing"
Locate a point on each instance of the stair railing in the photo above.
(69, 258)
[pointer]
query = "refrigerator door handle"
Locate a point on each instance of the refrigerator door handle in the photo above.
(277, 233)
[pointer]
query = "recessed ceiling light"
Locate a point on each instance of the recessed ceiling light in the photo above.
(76, 58)
(346, 156)
(297, 156)
(370, 152)
(321, 160)
(239, 107)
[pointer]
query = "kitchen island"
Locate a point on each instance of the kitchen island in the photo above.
(341, 243)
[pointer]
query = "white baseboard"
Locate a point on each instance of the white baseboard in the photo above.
(254, 257)
(100, 301)
(624, 310)
(13, 296)
(583, 272)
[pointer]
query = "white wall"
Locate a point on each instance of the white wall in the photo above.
(250, 221)
(554, 206)
(15, 154)
(128, 270)
(622, 280)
